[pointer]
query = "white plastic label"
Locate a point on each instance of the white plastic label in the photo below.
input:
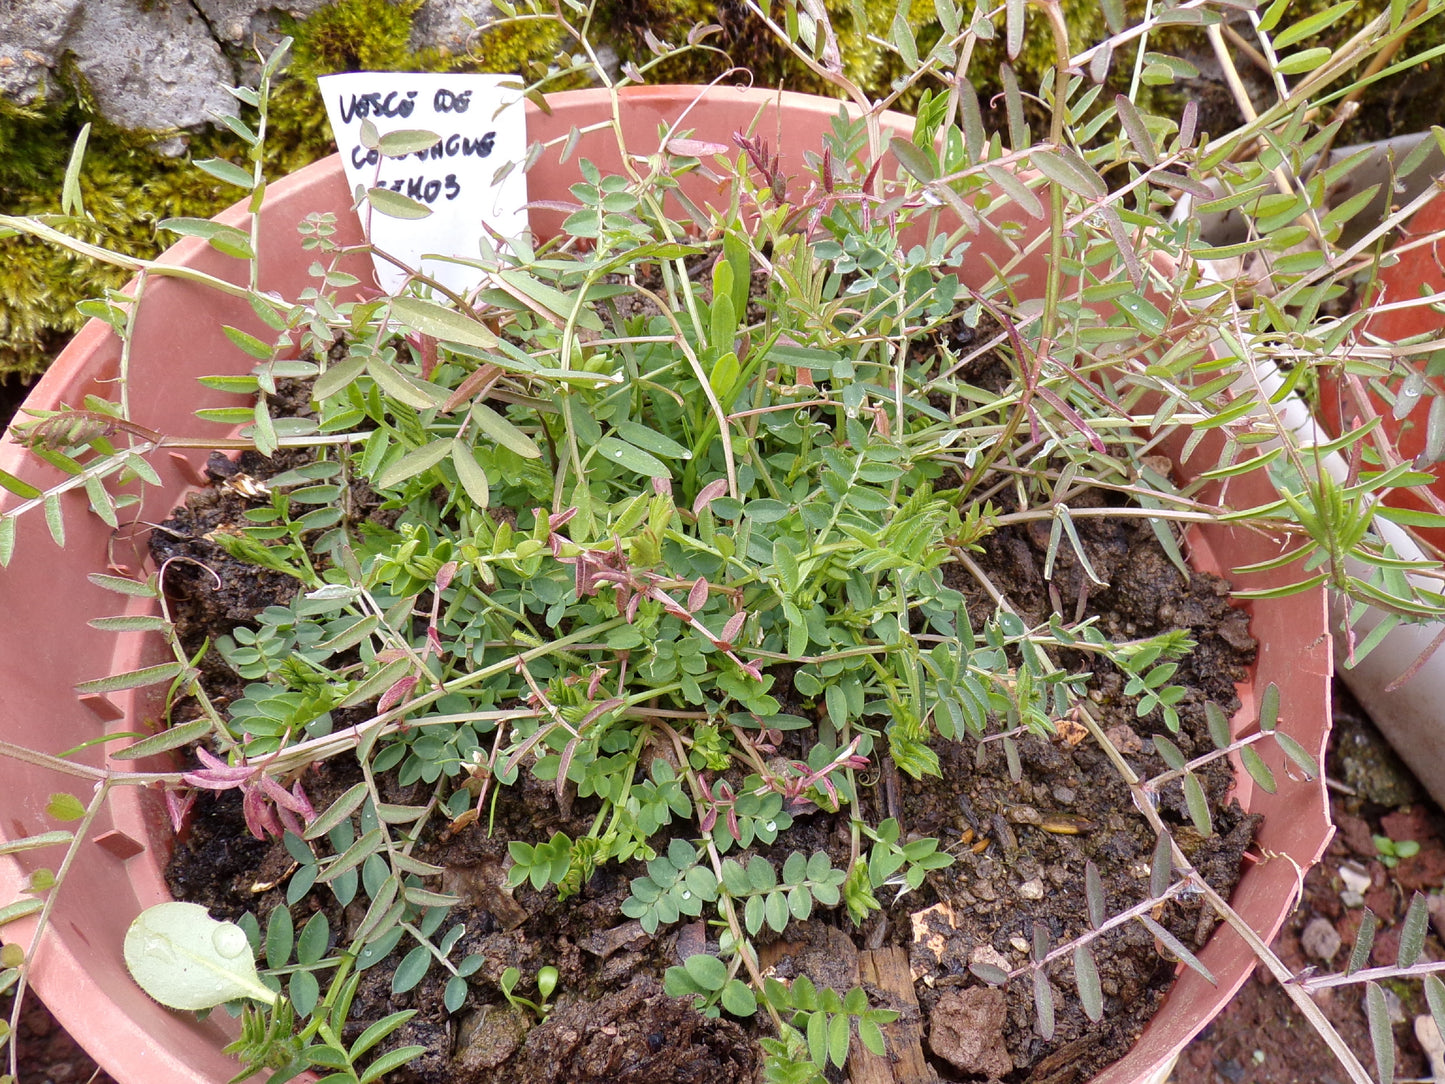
(482, 127)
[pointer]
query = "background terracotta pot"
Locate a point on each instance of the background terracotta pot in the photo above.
(1419, 271)
(1408, 715)
(47, 600)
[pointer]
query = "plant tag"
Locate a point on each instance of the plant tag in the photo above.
(450, 192)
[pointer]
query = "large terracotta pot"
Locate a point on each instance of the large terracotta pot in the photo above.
(48, 647)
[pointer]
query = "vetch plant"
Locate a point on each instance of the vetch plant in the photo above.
(1392, 850)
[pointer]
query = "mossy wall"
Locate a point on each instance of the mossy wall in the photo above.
(128, 187)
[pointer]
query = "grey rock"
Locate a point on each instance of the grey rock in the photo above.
(32, 38)
(447, 24)
(151, 66)
(158, 65)
(237, 21)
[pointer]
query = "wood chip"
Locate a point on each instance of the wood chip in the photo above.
(886, 970)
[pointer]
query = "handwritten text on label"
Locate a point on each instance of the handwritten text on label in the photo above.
(480, 126)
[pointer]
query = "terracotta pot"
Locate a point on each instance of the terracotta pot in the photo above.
(1408, 715)
(50, 648)
(1418, 271)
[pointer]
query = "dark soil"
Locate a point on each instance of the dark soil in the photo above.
(1021, 846)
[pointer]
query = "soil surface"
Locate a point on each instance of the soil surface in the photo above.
(1260, 1037)
(1023, 816)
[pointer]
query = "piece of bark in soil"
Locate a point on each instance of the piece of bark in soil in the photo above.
(824, 953)
(886, 970)
(637, 1035)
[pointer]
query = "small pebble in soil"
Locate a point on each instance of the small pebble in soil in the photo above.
(1125, 739)
(1427, 1034)
(1320, 939)
(987, 954)
(1355, 879)
(1393, 1005)
(1032, 890)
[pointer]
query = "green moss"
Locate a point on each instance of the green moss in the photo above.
(745, 43)
(524, 46)
(126, 187)
(348, 36)
(353, 35)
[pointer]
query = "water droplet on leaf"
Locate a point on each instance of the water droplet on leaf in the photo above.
(230, 940)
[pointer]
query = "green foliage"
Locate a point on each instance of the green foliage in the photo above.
(546, 985)
(1392, 850)
(674, 885)
(707, 980)
(767, 900)
(129, 186)
(914, 859)
(127, 189)
(818, 1028)
(543, 864)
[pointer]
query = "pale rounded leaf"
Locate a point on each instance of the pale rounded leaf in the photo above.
(186, 959)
